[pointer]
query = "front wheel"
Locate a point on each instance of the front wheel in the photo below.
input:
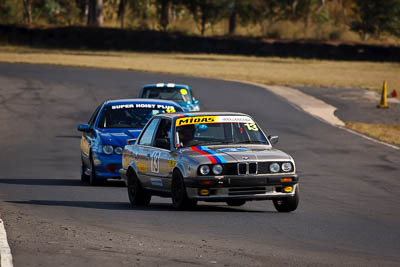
(287, 204)
(84, 176)
(92, 177)
(180, 199)
(138, 196)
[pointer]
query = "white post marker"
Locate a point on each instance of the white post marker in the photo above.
(5, 251)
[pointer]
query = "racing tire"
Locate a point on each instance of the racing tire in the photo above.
(138, 196)
(179, 196)
(92, 177)
(84, 176)
(287, 204)
(236, 202)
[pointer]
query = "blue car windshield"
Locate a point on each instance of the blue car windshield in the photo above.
(167, 93)
(130, 115)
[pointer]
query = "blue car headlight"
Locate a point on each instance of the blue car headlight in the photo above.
(118, 150)
(108, 149)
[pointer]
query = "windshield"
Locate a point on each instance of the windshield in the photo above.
(167, 93)
(215, 130)
(130, 115)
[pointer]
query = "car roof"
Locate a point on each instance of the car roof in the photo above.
(140, 100)
(196, 114)
(167, 85)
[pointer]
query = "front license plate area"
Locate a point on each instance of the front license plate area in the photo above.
(247, 181)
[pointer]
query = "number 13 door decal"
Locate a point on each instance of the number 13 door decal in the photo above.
(155, 162)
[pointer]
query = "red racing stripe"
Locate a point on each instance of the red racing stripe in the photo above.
(211, 158)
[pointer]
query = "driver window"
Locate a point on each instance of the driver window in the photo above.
(147, 136)
(163, 135)
(94, 116)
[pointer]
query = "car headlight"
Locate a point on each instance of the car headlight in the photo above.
(274, 167)
(118, 150)
(287, 167)
(217, 169)
(108, 149)
(204, 170)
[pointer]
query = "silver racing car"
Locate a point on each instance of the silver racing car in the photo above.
(214, 157)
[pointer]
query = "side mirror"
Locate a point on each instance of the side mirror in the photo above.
(130, 141)
(84, 128)
(195, 101)
(273, 139)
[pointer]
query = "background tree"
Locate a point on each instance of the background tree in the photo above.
(82, 6)
(8, 11)
(376, 17)
(264, 10)
(95, 13)
(27, 11)
(164, 11)
(121, 12)
(206, 12)
(238, 9)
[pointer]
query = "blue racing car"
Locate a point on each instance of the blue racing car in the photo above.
(180, 93)
(107, 132)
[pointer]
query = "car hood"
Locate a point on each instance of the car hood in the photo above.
(186, 106)
(229, 154)
(118, 137)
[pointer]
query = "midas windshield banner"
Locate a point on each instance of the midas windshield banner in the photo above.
(168, 108)
(212, 119)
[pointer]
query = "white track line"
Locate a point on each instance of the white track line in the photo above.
(313, 106)
(5, 251)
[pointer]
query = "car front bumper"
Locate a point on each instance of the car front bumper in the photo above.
(107, 166)
(240, 187)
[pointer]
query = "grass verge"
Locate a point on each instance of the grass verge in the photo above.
(386, 133)
(272, 71)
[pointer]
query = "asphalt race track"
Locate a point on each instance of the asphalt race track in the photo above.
(349, 214)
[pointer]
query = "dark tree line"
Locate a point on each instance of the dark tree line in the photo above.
(367, 17)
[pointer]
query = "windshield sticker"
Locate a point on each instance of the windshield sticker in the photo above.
(152, 106)
(171, 163)
(155, 162)
(195, 120)
(251, 126)
(183, 91)
(142, 167)
(234, 119)
(213, 119)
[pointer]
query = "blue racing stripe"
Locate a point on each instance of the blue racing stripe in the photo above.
(218, 157)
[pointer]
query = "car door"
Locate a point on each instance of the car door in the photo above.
(143, 153)
(160, 156)
(86, 140)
